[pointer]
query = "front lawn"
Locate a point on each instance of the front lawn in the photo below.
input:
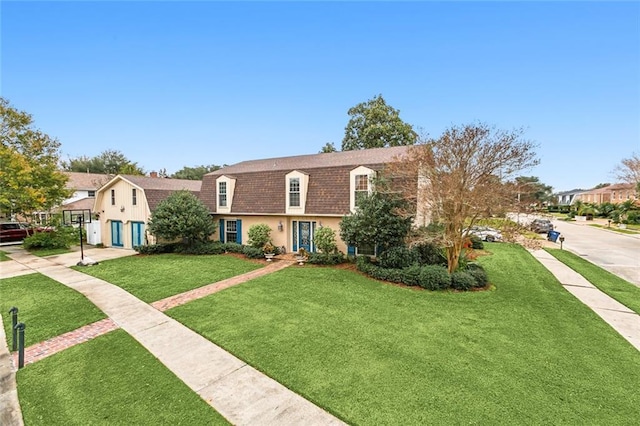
(374, 353)
(50, 251)
(47, 307)
(611, 284)
(152, 278)
(111, 380)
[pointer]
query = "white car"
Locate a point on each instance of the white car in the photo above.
(484, 233)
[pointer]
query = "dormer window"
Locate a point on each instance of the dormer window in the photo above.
(222, 194)
(296, 184)
(294, 192)
(360, 184)
(225, 186)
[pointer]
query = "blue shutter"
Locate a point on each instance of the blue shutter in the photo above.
(294, 227)
(239, 231)
(222, 230)
(313, 236)
(378, 250)
(351, 250)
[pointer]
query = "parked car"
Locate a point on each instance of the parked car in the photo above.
(484, 233)
(14, 231)
(541, 226)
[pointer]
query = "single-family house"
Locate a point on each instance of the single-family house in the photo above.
(566, 198)
(124, 206)
(293, 195)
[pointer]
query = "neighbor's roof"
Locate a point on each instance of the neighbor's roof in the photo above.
(315, 161)
(81, 204)
(89, 181)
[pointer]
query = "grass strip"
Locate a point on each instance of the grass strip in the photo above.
(151, 278)
(111, 380)
(611, 284)
(3, 256)
(47, 307)
(615, 229)
(374, 353)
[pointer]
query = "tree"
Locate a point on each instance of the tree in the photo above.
(374, 124)
(460, 176)
(29, 176)
(328, 147)
(182, 215)
(377, 222)
(325, 240)
(194, 173)
(109, 162)
(629, 171)
(531, 192)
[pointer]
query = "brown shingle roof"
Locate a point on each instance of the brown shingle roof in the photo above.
(313, 161)
(260, 184)
(87, 181)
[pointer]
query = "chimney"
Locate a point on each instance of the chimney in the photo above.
(153, 174)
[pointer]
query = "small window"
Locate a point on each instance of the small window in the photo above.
(361, 188)
(294, 192)
(366, 250)
(222, 194)
(232, 231)
(134, 197)
(91, 194)
(113, 197)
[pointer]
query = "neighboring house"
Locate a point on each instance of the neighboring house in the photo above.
(124, 205)
(84, 187)
(567, 198)
(293, 195)
(616, 193)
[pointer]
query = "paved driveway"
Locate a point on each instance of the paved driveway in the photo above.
(618, 253)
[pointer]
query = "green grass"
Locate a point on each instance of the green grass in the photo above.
(111, 380)
(374, 353)
(49, 252)
(616, 287)
(47, 307)
(151, 278)
(3, 256)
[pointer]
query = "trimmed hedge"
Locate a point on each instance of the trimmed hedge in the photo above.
(429, 277)
(326, 258)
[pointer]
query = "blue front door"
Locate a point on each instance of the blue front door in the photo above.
(137, 234)
(116, 233)
(304, 235)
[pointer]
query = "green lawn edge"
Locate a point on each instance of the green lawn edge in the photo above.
(621, 290)
(110, 380)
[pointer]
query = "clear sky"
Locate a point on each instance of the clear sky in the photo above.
(173, 84)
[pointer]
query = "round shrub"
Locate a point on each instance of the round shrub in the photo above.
(476, 242)
(398, 257)
(411, 275)
(430, 254)
(259, 235)
(434, 277)
(461, 280)
(325, 240)
(479, 274)
(61, 237)
(233, 247)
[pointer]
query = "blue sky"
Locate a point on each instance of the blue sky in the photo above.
(173, 84)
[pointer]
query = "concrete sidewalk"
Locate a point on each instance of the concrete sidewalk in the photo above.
(239, 392)
(622, 319)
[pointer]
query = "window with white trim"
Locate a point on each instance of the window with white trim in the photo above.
(231, 234)
(91, 194)
(294, 192)
(222, 194)
(361, 188)
(360, 185)
(113, 197)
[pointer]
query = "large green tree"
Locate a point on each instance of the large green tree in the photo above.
(460, 177)
(111, 162)
(194, 173)
(374, 124)
(531, 192)
(377, 222)
(182, 216)
(29, 176)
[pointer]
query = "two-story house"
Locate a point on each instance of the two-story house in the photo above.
(293, 195)
(124, 206)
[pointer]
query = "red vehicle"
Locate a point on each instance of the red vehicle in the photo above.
(14, 231)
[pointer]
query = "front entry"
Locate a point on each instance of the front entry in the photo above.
(116, 233)
(303, 235)
(137, 234)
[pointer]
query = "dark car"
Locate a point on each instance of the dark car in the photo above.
(14, 231)
(541, 226)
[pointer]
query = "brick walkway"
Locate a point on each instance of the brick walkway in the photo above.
(57, 344)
